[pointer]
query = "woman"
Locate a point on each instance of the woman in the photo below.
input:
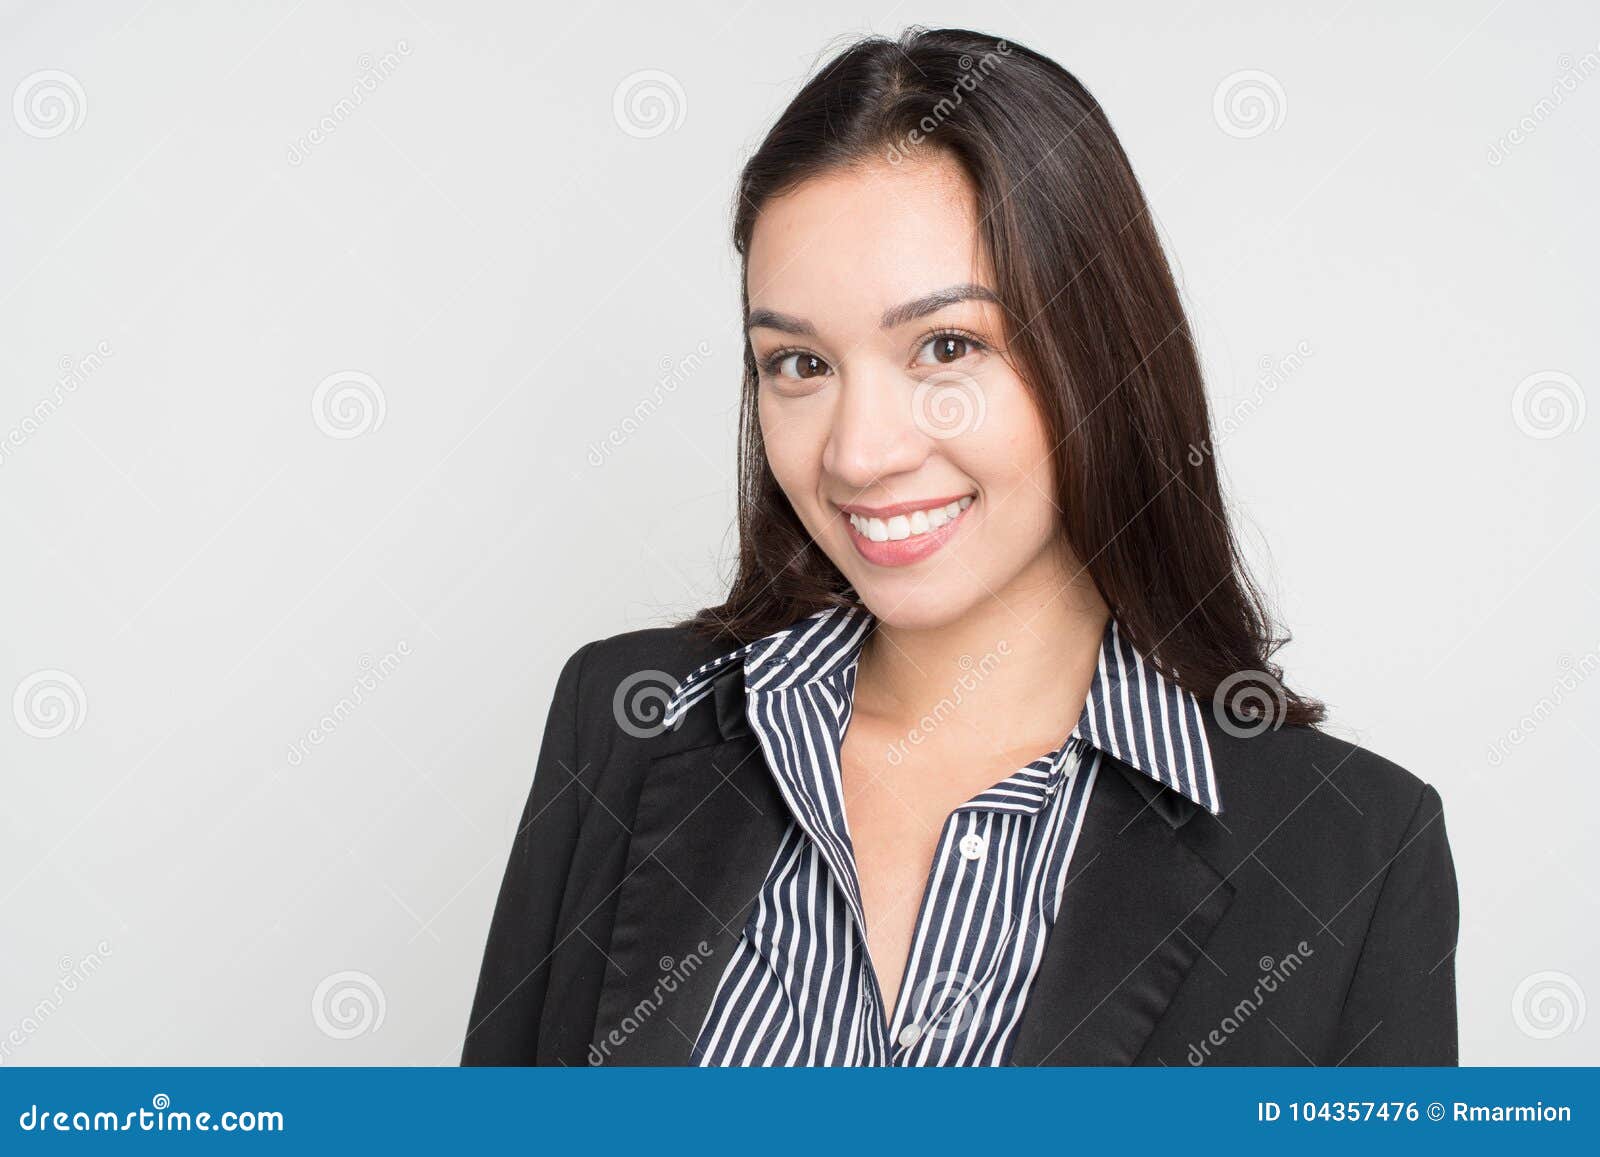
(984, 760)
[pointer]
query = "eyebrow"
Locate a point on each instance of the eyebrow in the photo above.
(895, 315)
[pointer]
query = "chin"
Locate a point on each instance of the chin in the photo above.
(909, 605)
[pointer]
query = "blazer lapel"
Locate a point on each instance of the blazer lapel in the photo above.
(708, 824)
(1138, 905)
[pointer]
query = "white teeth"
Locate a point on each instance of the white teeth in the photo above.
(902, 526)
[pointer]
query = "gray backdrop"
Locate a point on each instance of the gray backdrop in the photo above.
(362, 361)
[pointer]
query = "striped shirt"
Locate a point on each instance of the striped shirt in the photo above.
(799, 988)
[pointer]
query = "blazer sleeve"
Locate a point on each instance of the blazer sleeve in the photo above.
(1401, 1006)
(509, 1001)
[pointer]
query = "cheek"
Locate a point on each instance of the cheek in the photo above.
(1032, 454)
(793, 446)
(1011, 449)
(1010, 456)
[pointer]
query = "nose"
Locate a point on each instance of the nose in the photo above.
(874, 434)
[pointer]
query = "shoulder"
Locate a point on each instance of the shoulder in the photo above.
(1295, 759)
(657, 655)
(616, 688)
(1301, 784)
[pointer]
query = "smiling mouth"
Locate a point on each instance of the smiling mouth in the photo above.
(905, 533)
(899, 527)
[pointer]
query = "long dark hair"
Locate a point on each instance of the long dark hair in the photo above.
(1095, 327)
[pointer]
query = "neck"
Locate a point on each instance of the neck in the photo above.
(1019, 664)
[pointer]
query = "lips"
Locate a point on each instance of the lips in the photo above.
(906, 532)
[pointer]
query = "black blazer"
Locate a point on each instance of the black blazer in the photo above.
(1313, 922)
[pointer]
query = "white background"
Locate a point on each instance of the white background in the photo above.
(481, 237)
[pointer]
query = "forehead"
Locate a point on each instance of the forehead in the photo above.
(854, 241)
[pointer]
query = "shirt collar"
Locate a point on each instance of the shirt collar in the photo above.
(1133, 713)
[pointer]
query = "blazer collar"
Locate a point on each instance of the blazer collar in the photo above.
(1133, 712)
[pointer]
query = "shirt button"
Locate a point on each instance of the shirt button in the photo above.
(910, 1035)
(972, 846)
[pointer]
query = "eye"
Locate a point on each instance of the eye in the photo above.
(947, 348)
(794, 365)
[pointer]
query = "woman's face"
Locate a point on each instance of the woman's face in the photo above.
(906, 443)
